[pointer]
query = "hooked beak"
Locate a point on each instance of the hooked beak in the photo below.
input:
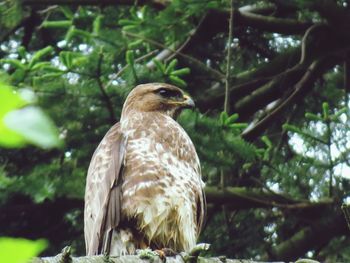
(188, 102)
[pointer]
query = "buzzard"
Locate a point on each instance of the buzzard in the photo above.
(144, 186)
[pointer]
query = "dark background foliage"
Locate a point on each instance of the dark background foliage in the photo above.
(276, 163)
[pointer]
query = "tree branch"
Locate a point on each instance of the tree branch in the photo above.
(272, 24)
(136, 259)
(190, 60)
(107, 99)
(300, 89)
(228, 62)
(89, 2)
(246, 198)
(311, 237)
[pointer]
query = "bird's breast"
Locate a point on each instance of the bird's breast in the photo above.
(161, 177)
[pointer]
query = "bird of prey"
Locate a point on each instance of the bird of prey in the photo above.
(144, 186)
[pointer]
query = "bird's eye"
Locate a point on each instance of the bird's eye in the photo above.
(167, 93)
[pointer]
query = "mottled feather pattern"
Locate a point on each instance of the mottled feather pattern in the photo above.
(161, 181)
(102, 175)
(144, 186)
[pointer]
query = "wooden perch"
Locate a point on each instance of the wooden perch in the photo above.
(65, 257)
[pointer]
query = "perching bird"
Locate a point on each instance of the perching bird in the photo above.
(144, 186)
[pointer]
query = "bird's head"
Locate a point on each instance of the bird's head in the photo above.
(157, 97)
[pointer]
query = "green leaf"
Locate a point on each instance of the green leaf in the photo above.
(41, 65)
(67, 12)
(325, 108)
(312, 117)
(96, 26)
(79, 61)
(171, 66)
(238, 125)
(131, 27)
(181, 72)
(159, 65)
(292, 128)
(135, 43)
(223, 117)
(22, 51)
(130, 57)
(340, 112)
(177, 81)
(19, 250)
(34, 126)
(39, 55)
(14, 63)
(18, 75)
(9, 138)
(9, 99)
(66, 58)
(53, 75)
(232, 119)
(126, 22)
(71, 59)
(267, 141)
(82, 33)
(57, 24)
(70, 33)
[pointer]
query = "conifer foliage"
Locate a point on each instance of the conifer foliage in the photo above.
(275, 158)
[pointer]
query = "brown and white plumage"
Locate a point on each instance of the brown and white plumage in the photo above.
(144, 186)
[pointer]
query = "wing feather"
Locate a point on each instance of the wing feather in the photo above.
(201, 211)
(102, 193)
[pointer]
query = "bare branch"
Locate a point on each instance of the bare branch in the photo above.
(310, 237)
(304, 84)
(105, 96)
(228, 61)
(190, 60)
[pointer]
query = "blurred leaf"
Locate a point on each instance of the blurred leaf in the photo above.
(171, 66)
(34, 126)
(177, 81)
(66, 11)
(180, 72)
(66, 58)
(39, 55)
(159, 65)
(9, 99)
(223, 117)
(96, 26)
(135, 43)
(312, 117)
(18, 75)
(71, 59)
(14, 63)
(238, 125)
(267, 141)
(340, 112)
(19, 250)
(57, 24)
(130, 59)
(325, 108)
(82, 33)
(232, 118)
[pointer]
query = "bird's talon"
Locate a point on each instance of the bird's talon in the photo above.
(165, 252)
(161, 254)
